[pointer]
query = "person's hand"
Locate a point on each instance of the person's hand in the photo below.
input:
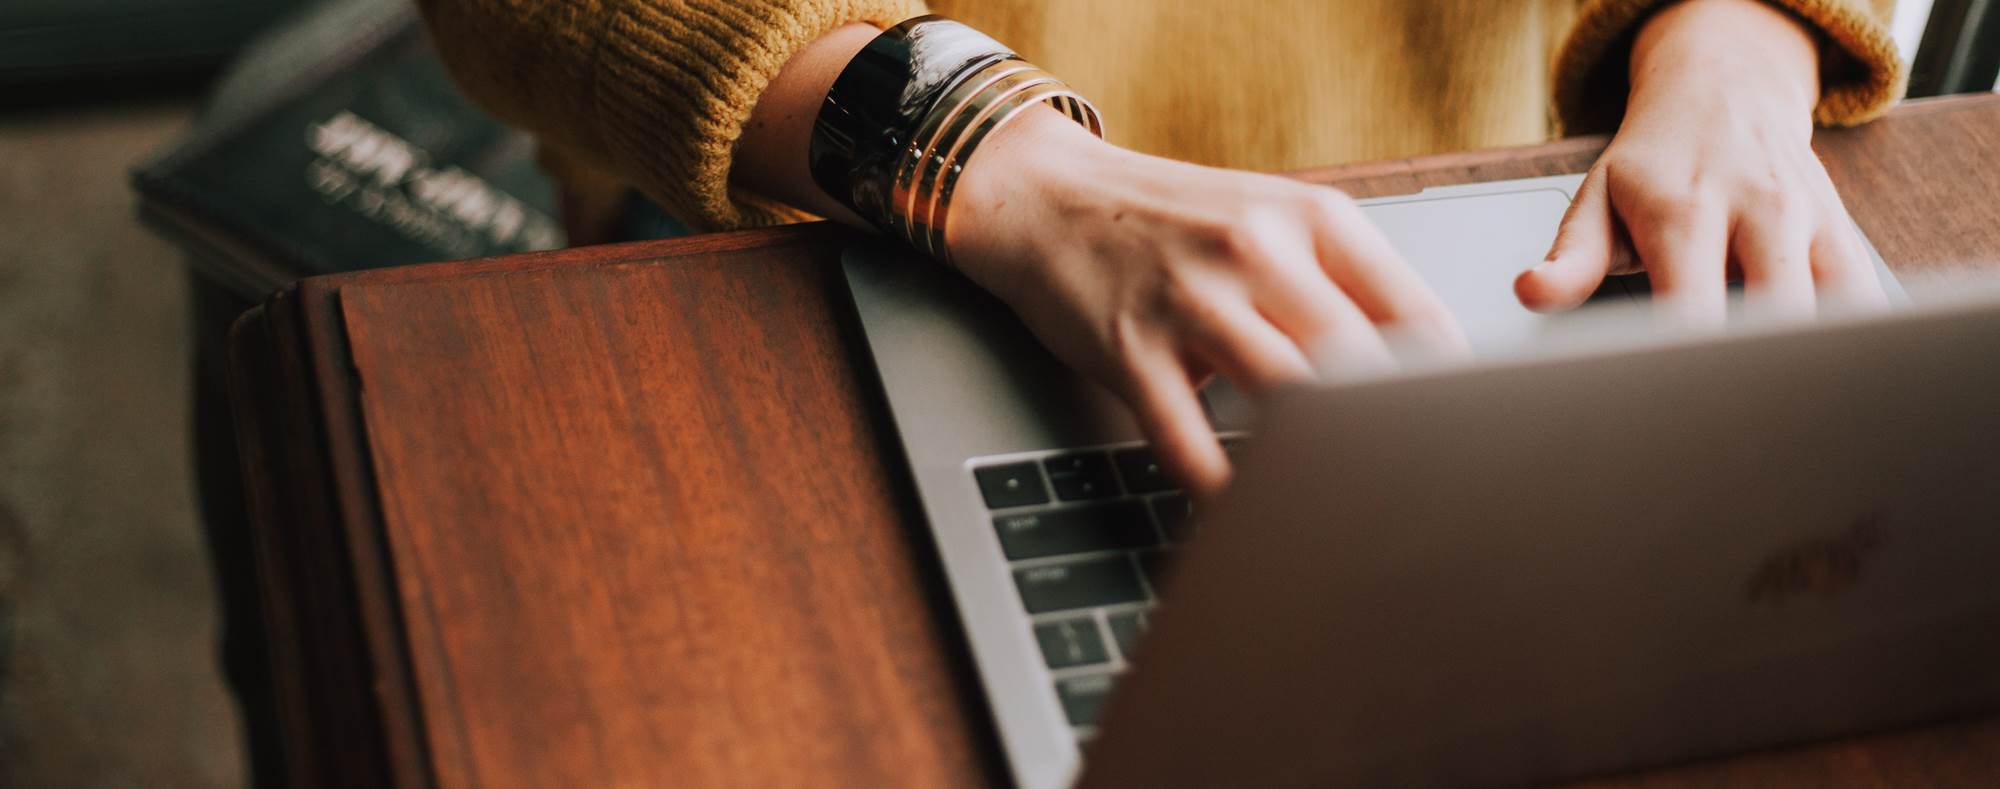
(1712, 175)
(1149, 274)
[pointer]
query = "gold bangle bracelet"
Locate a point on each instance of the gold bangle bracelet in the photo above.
(894, 131)
(968, 127)
(1054, 93)
(933, 159)
(947, 125)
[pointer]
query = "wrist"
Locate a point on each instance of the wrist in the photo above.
(1724, 46)
(1021, 169)
(902, 121)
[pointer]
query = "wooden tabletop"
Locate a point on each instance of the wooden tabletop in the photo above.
(634, 516)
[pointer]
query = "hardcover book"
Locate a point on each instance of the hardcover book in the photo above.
(338, 143)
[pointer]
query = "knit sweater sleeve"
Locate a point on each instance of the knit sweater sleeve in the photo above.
(1861, 75)
(656, 92)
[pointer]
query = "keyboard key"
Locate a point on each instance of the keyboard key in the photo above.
(1126, 629)
(1141, 471)
(1083, 698)
(1085, 584)
(1011, 485)
(1085, 475)
(1096, 527)
(1176, 516)
(1071, 642)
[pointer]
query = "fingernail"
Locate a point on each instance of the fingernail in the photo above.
(1542, 266)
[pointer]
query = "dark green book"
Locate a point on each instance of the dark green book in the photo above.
(339, 143)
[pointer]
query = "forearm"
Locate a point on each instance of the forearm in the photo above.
(659, 93)
(1856, 69)
(1746, 45)
(771, 156)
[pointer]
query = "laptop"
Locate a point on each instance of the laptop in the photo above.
(1392, 593)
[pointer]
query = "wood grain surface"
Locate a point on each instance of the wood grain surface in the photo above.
(633, 515)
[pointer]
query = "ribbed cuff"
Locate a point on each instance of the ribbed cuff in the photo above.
(677, 82)
(1861, 74)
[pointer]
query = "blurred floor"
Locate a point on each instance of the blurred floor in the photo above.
(107, 618)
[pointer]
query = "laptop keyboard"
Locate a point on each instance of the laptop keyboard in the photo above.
(1087, 534)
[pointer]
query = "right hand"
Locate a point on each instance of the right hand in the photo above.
(1149, 274)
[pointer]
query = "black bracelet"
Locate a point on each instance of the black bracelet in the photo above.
(904, 117)
(880, 99)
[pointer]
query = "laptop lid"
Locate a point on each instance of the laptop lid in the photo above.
(1565, 566)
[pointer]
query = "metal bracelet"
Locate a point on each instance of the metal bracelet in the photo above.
(880, 99)
(893, 135)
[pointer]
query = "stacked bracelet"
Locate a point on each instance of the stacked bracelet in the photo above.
(907, 113)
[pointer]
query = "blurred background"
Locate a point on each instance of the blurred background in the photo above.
(132, 133)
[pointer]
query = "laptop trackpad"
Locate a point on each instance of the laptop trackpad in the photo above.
(1470, 249)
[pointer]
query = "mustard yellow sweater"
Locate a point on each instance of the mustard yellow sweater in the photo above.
(655, 93)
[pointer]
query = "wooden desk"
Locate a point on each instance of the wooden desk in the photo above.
(631, 515)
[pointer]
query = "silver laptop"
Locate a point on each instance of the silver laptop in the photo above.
(1509, 572)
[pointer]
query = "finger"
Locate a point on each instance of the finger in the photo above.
(1582, 255)
(1843, 270)
(1774, 250)
(1368, 269)
(1169, 412)
(1310, 309)
(1685, 251)
(1242, 345)
(1285, 283)
(1335, 338)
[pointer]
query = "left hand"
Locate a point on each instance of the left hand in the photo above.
(1712, 175)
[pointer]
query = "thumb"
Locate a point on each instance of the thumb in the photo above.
(1581, 256)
